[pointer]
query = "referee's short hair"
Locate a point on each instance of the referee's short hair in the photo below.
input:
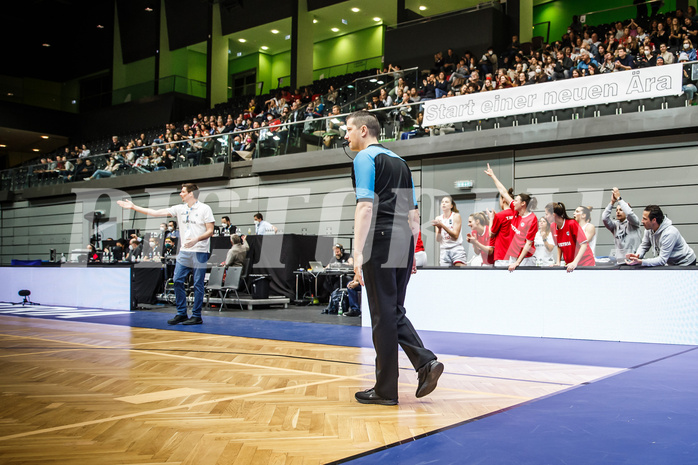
(364, 118)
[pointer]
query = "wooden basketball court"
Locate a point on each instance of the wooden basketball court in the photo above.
(87, 393)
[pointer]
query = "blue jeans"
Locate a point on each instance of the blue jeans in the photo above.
(354, 298)
(190, 262)
(101, 174)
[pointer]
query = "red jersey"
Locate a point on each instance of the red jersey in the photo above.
(419, 246)
(501, 233)
(569, 239)
(523, 228)
(484, 240)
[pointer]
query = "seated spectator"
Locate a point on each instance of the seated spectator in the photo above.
(154, 250)
(238, 251)
(440, 86)
(504, 82)
(487, 86)
(608, 65)
(688, 50)
(115, 144)
(449, 61)
(354, 297)
(488, 62)
(585, 62)
(624, 61)
(135, 251)
(112, 167)
(688, 85)
(661, 236)
(644, 57)
(169, 250)
(428, 91)
(666, 55)
(84, 151)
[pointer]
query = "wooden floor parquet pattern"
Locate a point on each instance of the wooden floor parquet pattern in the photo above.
(85, 393)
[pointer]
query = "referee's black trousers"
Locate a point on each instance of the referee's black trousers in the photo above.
(386, 286)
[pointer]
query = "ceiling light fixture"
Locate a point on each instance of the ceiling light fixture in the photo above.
(46, 45)
(10, 94)
(2, 146)
(334, 29)
(422, 7)
(242, 40)
(314, 21)
(274, 31)
(355, 10)
(44, 137)
(148, 9)
(376, 19)
(35, 150)
(99, 26)
(264, 47)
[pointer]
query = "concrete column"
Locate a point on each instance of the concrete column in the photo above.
(302, 39)
(525, 20)
(218, 82)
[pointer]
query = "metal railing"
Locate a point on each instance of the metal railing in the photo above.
(309, 133)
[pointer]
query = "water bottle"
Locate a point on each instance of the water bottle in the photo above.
(63, 259)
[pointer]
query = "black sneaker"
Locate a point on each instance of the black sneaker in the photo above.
(195, 320)
(370, 397)
(177, 319)
(353, 313)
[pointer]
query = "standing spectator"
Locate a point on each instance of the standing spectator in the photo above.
(448, 234)
(385, 227)
(582, 215)
(670, 248)
(500, 223)
(545, 253)
(524, 226)
(572, 245)
(479, 237)
(625, 228)
(197, 220)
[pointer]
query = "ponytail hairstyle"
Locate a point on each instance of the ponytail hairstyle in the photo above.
(531, 202)
(454, 209)
(481, 218)
(557, 208)
(586, 211)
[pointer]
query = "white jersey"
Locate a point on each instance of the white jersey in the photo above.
(192, 224)
(447, 242)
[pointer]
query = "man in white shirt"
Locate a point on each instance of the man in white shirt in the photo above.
(196, 227)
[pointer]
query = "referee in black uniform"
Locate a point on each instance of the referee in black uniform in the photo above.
(386, 225)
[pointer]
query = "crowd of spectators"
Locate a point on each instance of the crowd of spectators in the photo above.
(582, 51)
(260, 124)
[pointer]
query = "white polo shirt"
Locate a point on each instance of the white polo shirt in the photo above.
(192, 224)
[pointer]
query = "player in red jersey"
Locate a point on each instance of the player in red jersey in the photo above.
(572, 244)
(479, 237)
(500, 223)
(524, 227)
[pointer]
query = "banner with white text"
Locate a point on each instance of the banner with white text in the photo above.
(657, 81)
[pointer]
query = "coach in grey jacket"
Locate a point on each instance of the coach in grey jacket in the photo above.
(625, 229)
(670, 248)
